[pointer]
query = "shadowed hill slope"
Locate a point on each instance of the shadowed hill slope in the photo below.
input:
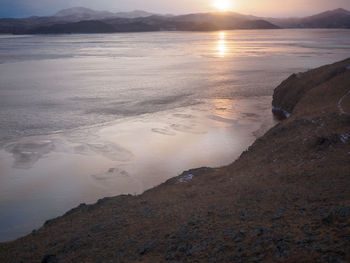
(80, 19)
(286, 199)
(291, 91)
(338, 18)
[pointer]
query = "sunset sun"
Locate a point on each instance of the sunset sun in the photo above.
(222, 5)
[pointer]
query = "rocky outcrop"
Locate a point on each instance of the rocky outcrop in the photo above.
(286, 199)
(290, 91)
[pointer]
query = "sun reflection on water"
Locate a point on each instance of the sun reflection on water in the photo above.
(221, 45)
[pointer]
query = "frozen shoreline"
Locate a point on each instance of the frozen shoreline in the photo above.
(65, 169)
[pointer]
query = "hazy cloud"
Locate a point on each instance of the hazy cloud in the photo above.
(20, 8)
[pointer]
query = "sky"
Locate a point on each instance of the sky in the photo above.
(276, 8)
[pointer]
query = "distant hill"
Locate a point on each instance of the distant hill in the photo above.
(84, 20)
(83, 13)
(226, 21)
(133, 14)
(338, 18)
(90, 26)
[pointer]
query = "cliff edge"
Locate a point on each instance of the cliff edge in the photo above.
(286, 199)
(293, 89)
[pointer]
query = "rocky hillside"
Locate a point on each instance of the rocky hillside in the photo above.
(286, 199)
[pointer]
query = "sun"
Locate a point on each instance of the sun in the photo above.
(222, 5)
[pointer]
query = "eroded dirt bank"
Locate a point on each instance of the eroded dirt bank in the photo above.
(286, 199)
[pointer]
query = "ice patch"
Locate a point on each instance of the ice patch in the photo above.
(163, 131)
(185, 178)
(186, 128)
(112, 173)
(183, 116)
(110, 150)
(221, 119)
(26, 154)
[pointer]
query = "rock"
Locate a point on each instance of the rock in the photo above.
(343, 225)
(282, 248)
(328, 219)
(147, 247)
(194, 222)
(170, 256)
(147, 211)
(243, 231)
(229, 232)
(221, 247)
(100, 227)
(275, 218)
(49, 259)
(76, 244)
(343, 212)
(326, 141)
(262, 231)
(196, 248)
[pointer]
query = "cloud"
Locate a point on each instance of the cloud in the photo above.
(18, 8)
(49, 7)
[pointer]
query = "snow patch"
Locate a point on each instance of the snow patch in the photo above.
(344, 137)
(186, 178)
(341, 110)
(286, 113)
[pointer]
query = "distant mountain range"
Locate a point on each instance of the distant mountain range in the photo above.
(84, 20)
(338, 18)
(82, 13)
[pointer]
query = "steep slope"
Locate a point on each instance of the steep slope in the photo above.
(286, 199)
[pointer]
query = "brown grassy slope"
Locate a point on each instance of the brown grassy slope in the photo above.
(286, 199)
